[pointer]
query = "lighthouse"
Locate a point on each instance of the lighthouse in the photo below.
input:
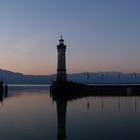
(61, 65)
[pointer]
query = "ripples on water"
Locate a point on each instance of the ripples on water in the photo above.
(29, 113)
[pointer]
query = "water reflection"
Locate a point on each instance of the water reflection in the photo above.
(27, 115)
(73, 117)
(62, 100)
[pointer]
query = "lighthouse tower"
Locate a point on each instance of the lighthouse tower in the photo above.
(61, 66)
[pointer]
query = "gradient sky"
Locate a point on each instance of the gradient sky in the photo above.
(101, 35)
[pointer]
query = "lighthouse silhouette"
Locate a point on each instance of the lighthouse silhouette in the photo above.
(61, 65)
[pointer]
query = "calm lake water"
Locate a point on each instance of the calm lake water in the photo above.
(29, 113)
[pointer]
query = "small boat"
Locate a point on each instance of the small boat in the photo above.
(3, 87)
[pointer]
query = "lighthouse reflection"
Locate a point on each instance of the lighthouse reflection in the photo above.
(62, 100)
(61, 117)
(61, 104)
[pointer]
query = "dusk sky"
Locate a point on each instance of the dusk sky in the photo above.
(101, 35)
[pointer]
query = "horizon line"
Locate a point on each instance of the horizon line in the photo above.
(69, 73)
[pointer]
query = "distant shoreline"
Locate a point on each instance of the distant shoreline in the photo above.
(28, 85)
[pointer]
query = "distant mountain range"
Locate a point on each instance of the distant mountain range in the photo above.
(10, 77)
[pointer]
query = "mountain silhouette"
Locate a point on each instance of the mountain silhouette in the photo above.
(10, 77)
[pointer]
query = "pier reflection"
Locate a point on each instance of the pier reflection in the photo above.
(62, 100)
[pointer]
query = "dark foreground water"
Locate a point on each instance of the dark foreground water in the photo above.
(29, 113)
